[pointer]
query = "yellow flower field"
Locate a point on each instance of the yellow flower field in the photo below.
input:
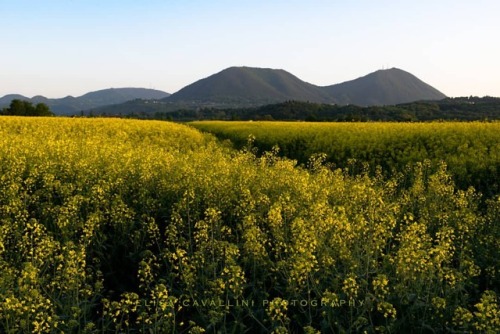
(471, 150)
(126, 226)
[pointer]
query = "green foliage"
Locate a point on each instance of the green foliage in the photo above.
(114, 226)
(453, 109)
(25, 108)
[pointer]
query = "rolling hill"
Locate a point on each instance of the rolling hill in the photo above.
(247, 86)
(5, 100)
(71, 105)
(244, 87)
(383, 87)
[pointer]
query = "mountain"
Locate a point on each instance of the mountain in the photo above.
(71, 105)
(120, 95)
(247, 86)
(242, 87)
(5, 100)
(383, 87)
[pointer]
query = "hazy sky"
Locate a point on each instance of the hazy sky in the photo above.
(69, 47)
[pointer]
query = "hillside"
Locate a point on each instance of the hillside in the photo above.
(383, 87)
(120, 95)
(5, 100)
(247, 86)
(71, 105)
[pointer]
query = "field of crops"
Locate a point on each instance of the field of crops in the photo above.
(116, 226)
(470, 150)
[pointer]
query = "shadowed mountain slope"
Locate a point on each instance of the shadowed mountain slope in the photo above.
(383, 87)
(71, 105)
(249, 86)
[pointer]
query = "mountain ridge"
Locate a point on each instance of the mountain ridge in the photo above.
(384, 87)
(242, 86)
(250, 86)
(70, 105)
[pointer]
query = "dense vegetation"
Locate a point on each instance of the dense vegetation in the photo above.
(116, 226)
(25, 108)
(471, 150)
(458, 109)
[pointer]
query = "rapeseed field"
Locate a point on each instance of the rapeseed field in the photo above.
(126, 226)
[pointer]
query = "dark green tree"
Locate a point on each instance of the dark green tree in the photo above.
(18, 108)
(42, 109)
(26, 108)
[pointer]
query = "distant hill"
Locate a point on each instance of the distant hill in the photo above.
(120, 95)
(247, 86)
(5, 100)
(383, 87)
(71, 105)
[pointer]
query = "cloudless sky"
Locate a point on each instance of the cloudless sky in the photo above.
(57, 48)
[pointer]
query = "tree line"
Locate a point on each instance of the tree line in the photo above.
(26, 108)
(456, 109)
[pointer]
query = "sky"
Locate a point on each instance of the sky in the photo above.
(57, 48)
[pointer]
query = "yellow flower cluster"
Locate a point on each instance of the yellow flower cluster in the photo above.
(277, 310)
(350, 287)
(380, 286)
(485, 318)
